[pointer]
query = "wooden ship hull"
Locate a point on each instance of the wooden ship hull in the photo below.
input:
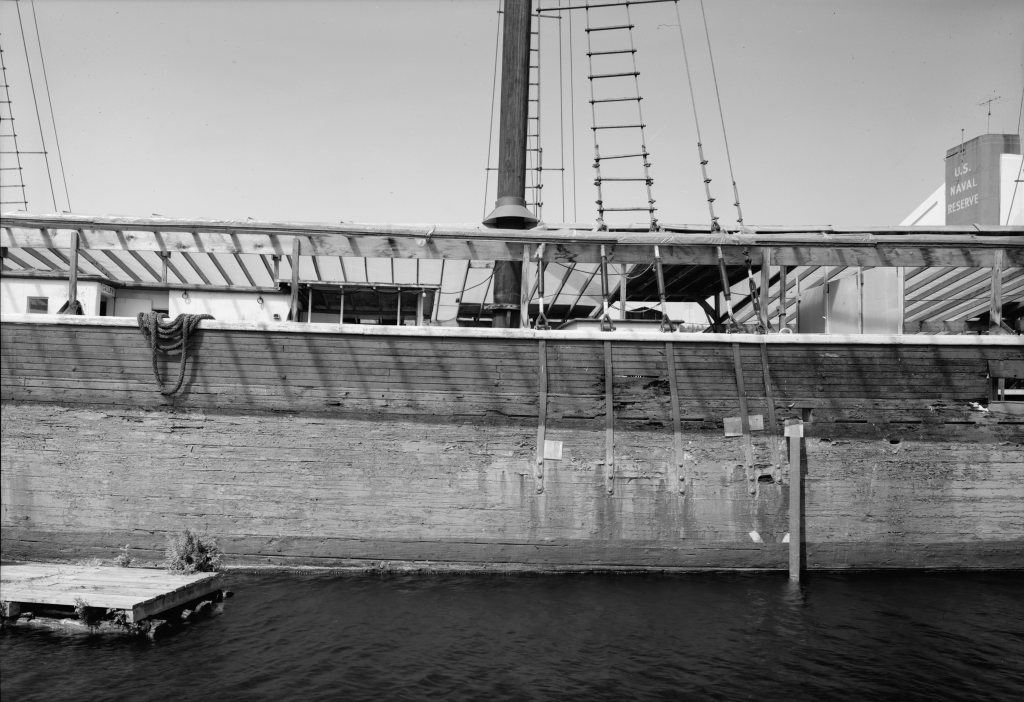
(372, 446)
(515, 448)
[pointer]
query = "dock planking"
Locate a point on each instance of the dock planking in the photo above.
(139, 592)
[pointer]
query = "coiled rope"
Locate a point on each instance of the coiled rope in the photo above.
(178, 331)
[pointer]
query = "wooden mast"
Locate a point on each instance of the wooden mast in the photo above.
(510, 209)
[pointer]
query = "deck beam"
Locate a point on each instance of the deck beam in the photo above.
(960, 246)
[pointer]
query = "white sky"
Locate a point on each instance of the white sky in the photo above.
(838, 112)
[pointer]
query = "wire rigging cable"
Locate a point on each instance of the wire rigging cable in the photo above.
(490, 124)
(35, 101)
(561, 110)
(14, 138)
(49, 102)
(700, 146)
(1020, 170)
(572, 118)
(721, 114)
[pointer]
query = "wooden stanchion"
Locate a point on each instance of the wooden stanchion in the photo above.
(295, 280)
(73, 272)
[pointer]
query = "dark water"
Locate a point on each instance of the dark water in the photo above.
(724, 637)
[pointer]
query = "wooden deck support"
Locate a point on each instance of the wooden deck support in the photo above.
(524, 291)
(766, 264)
(795, 432)
(164, 257)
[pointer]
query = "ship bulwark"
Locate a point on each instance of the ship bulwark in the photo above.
(329, 445)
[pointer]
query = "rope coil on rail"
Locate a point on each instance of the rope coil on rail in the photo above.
(155, 330)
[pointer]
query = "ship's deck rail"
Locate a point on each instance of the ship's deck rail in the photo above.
(432, 332)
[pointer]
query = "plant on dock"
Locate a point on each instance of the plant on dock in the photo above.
(119, 618)
(124, 559)
(189, 552)
(90, 616)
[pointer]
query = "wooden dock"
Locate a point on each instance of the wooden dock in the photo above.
(140, 593)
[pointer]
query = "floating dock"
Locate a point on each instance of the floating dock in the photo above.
(140, 593)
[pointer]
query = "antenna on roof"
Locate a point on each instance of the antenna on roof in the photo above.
(988, 104)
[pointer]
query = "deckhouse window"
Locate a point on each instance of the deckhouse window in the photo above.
(366, 304)
(38, 305)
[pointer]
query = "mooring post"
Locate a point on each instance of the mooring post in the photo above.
(295, 280)
(795, 432)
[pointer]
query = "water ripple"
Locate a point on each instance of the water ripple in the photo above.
(907, 636)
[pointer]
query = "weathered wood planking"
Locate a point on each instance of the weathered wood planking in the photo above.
(308, 447)
(895, 246)
(140, 592)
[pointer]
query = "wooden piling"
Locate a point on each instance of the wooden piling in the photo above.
(609, 419)
(795, 432)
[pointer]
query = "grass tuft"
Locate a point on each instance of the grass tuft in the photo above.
(90, 616)
(124, 559)
(190, 552)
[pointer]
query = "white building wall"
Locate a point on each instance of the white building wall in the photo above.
(930, 213)
(230, 306)
(1011, 193)
(14, 294)
(129, 303)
